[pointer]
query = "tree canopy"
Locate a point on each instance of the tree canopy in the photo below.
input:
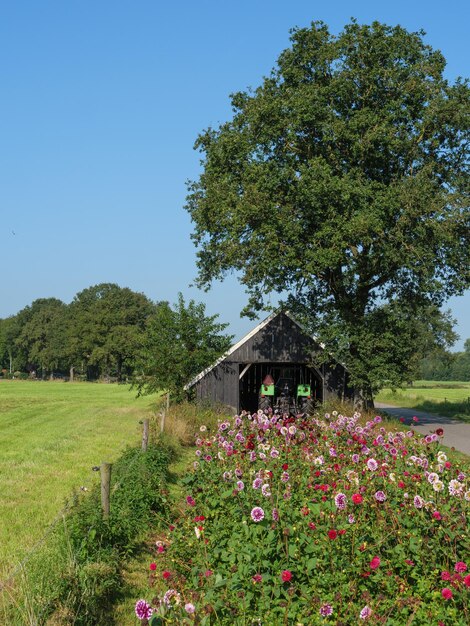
(179, 343)
(341, 183)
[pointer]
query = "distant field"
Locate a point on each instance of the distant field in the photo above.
(51, 434)
(449, 398)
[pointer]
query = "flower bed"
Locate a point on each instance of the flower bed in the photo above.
(315, 521)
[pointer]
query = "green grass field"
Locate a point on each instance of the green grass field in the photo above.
(448, 398)
(51, 434)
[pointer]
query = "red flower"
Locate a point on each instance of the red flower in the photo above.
(208, 573)
(311, 525)
(408, 562)
(374, 564)
(466, 580)
(285, 466)
(447, 593)
(286, 576)
(257, 578)
(341, 532)
(153, 566)
(437, 515)
(357, 498)
(439, 432)
(332, 534)
(166, 575)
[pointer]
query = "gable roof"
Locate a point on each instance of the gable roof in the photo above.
(245, 339)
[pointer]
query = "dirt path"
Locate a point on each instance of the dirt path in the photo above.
(456, 434)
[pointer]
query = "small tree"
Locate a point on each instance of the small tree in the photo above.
(343, 181)
(179, 343)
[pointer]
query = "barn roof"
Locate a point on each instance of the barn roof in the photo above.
(240, 343)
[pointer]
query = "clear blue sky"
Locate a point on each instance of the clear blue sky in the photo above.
(100, 105)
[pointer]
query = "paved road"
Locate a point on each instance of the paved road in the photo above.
(456, 433)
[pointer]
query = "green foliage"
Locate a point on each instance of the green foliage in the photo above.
(179, 343)
(342, 181)
(85, 577)
(444, 365)
(105, 327)
(385, 529)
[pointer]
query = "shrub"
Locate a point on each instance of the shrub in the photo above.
(77, 576)
(308, 521)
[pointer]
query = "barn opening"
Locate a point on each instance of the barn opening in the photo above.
(251, 376)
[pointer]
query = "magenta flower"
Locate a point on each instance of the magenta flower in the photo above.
(340, 501)
(380, 496)
(418, 502)
(257, 514)
(191, 501)
(326, 610)
(460, 567)
(143, 610)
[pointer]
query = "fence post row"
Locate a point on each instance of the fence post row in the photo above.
(105, 488)
(145, 435)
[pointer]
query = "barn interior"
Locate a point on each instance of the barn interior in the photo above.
(252, 375)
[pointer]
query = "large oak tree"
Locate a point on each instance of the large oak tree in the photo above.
(341, 183)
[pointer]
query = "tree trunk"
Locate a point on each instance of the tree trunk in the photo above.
(363, 399)
(71, 373)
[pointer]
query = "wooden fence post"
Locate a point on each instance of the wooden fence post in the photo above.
(145, 435)
(164, 412)
(105, 488)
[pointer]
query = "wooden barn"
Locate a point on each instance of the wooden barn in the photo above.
(278, 347)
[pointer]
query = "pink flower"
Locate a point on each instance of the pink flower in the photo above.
(189, 608)
(466, 580)
(191, 501)
(375, 563)
(460, 567)
(257, 578)
(365, 613)
(326, 610)
(143, 610)
(257, 514)
(286, 576)
(446, 593)
(445, 575)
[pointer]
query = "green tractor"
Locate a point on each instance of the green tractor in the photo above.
(281, 397)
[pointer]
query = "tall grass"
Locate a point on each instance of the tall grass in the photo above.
(51, 434)
(439, 397)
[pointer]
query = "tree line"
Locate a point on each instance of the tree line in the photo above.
(445, 365)
(112, 332)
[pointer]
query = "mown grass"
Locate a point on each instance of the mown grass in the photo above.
(51, 434)
(448, 398)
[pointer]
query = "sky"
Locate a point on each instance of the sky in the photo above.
(100, 106)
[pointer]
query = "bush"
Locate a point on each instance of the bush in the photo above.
(315, 521)
(77, 576)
